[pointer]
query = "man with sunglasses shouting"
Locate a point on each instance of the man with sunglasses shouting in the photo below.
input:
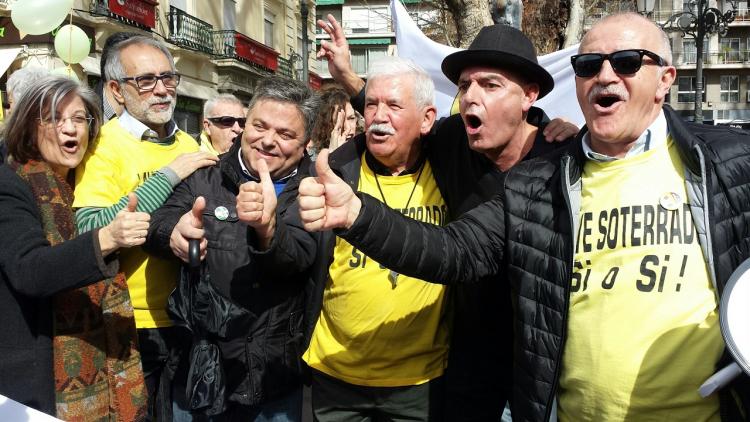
(141, 151)
(616, 247)
(223, 120)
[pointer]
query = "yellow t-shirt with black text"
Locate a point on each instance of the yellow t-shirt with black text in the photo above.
(643, 327)
(369, 332)
(114, 166)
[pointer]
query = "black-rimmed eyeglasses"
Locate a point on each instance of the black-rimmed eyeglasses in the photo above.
(623, 62)
(148, 82)
(227, 121)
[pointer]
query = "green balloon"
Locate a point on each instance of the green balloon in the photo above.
(38, 17)
(72, 44)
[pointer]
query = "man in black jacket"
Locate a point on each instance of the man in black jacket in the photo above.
(257, 290)
(498, 80)
(615, 248)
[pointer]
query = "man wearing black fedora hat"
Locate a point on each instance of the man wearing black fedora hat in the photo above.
(498, 79)
(617, 247)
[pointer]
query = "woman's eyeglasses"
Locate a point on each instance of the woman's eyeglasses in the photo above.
(624, 62)
(79, 121)
(227, 121)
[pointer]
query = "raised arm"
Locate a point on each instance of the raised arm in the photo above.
(336, 51)
(464, 251)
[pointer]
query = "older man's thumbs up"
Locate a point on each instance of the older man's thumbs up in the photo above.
(325, 201)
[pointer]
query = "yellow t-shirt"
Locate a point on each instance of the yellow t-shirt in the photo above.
(114, 166)
(206, 145)
(643, 328)
(369, 332)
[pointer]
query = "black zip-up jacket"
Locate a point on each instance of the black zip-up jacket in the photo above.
(527, 232)
(261, 340)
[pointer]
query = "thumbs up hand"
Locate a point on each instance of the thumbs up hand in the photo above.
(129, 227)
(190, 226)
(326, 202)
(256, 203)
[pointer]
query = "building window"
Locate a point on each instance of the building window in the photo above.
(730, 88)
(230, 15)
(686, 89)
(729, 50)
(368, 20)
(268, 21)
(690, 53)
(362, 57)
(180, 4)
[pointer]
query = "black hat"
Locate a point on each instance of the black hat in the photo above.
(503, 46)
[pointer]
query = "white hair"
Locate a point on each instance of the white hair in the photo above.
(392, 66)
(221, 98)
(23, 79)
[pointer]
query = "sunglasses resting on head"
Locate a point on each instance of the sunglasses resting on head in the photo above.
(623, 62)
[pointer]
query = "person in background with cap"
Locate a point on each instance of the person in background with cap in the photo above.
(617, 247)
(223, 120)
(498, 79)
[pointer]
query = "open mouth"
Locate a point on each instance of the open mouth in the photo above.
(473, 121)
(70, 146)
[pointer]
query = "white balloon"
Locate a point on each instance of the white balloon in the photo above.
(72, 44)
(38, 17)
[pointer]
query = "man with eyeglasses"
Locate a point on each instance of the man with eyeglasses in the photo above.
(616, 247)
(140, 151)
(223, 120)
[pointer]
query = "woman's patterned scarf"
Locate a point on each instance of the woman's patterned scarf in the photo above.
(98, 375)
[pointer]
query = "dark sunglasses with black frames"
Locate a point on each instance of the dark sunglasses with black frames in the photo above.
(148, 82)
(227, 121)
(623, 62)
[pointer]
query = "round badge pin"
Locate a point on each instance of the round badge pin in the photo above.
(221, 213)
(670, 201)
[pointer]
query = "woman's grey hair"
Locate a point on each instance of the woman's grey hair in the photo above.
(40, 103)
(221, 98)
(114, 71)
(285, 90)
(22, 79)
(393, 66)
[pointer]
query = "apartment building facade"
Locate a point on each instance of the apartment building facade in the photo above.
(726, 65)
(219, 46)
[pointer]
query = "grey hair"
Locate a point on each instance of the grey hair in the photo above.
(665, 48)
(285, 90)
(393, 66)
(114, 71)
(22, 79)
(221, 98)
(40, 102)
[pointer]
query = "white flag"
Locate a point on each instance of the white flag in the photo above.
(415, 45)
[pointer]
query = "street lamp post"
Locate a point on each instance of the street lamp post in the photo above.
(699, 21)
(305, 53)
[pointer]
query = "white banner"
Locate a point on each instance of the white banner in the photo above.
(415, 45)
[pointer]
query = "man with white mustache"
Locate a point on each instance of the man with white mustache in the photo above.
(141, 151)
(617, 247)
(377, 342)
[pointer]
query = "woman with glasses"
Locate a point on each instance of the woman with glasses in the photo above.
(68, 347)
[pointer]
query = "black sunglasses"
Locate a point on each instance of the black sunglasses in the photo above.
(624, 62)
(227, 120)
(148, 82)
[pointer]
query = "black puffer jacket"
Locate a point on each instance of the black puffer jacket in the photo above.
(527, 233)
(261, 343)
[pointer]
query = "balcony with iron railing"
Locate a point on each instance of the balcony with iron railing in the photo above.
(285, 68)
(190, 32)
(714, 57)
(377, 25)
(235, 45)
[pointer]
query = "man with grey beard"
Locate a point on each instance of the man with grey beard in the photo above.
(142, 151)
